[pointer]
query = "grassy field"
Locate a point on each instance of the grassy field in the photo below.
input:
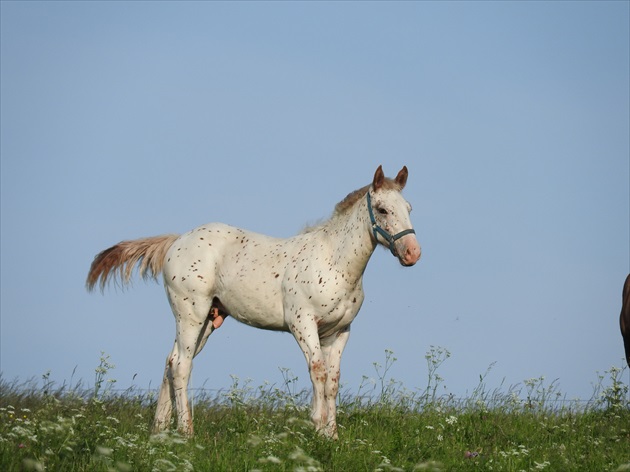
(384, 428)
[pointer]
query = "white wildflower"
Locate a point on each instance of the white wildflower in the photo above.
(451, 420)
(104, 451)
(271, 459)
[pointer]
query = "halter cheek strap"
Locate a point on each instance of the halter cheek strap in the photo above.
(376, 229)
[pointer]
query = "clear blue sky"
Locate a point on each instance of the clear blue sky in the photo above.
(129, 119)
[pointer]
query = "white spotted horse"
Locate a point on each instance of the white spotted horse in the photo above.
(309, 285)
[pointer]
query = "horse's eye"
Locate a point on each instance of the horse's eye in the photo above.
(382, 211)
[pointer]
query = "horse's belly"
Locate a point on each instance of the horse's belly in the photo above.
(252, 294)
(254, 309)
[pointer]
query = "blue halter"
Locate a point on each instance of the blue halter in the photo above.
(376, 229)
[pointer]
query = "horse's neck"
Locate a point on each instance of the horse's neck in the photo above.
(351, 243)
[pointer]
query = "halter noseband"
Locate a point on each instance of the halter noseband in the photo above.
(376, 229)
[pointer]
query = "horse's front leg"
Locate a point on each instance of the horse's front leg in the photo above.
(304, 329)
(332, 348)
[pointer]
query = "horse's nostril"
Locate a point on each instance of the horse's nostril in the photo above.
(412, 254)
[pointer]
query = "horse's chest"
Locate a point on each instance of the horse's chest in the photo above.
(336, 310)
(326, 294)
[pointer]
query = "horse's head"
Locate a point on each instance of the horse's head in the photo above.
(389, 215)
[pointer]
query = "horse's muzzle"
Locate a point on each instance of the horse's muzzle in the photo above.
(409, 250)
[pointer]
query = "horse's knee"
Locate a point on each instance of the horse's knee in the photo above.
(332, 384)
(318, 371)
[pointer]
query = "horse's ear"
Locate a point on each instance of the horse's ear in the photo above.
(379, 178)
(401, 178)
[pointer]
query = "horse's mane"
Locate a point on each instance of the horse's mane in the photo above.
(351, 199)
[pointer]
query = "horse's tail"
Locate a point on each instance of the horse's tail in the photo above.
(118, 261)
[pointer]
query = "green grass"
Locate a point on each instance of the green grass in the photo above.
(528, 427)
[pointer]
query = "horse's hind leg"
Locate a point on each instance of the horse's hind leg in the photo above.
(194, 325)
(165, 401)
(166, 397)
